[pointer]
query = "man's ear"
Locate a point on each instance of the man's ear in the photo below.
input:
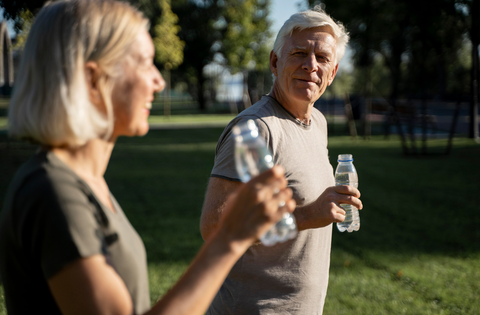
(332, 75)
(92, 76)
(273, 62)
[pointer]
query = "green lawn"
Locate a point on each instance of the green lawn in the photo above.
(417, 252)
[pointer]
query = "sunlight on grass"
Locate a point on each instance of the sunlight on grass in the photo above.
(416, 252)
(162, 276)
(3, 122)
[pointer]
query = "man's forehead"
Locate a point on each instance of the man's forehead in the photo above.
(318, 29)
(322, 34)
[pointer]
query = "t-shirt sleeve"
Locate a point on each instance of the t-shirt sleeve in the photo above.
(224, 166)
(60, 222)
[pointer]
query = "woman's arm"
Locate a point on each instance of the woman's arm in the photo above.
(91, 286)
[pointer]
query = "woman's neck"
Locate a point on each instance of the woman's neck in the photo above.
(88, 161)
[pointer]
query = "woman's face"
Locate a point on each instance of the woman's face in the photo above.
(134, 90)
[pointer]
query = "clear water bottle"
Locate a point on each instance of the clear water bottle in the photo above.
(252, 157)
(346, 174)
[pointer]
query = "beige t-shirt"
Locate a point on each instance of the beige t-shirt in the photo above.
(291, 277)
(51, 218)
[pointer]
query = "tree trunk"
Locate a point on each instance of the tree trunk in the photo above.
(473, 132)
(475, 38)
(167, 94)
(395, 74)
(202, 103)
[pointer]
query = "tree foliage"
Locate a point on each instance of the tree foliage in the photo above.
(246, 43)
(232, 32)
(13, 9)
(25, 18)
(190, 34)
(246, 35)
(168, 46)
(420, 43)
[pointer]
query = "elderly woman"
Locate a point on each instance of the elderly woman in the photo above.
(66, 247)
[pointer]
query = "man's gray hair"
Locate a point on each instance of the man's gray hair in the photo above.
(310, 19)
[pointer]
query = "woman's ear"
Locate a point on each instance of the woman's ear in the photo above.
(92, 76)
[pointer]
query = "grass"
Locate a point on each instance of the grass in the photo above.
(417, 251)
(418, 248)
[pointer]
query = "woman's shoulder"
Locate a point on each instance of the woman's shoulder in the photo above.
(44, 183)
(44, 173)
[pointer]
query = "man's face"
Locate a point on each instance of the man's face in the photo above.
(306, 66)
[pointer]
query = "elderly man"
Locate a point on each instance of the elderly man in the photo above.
(291, 277)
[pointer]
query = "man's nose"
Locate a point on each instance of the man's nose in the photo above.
(310, 63)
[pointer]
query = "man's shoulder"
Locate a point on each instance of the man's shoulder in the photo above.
(266, 107)
(266, 112)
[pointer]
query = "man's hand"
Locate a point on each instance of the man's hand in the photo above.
(326, 209)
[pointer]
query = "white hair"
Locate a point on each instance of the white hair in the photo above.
(311, 19)
(50, 104)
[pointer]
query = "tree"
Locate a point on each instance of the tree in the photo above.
(26, 20)
(470, 11)
(419, 41)
(197, 20)
(14, 9)
(168, 47)
(246, 39)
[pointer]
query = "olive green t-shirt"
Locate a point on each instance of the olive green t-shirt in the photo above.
(51, 218)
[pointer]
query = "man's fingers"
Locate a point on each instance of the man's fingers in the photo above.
(351, 200)
(347, 190)
(338, 217)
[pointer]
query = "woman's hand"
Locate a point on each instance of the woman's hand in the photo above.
(255, 207)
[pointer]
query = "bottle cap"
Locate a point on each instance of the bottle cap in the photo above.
(345, 158)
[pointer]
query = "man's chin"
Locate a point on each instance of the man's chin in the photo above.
(307, 96)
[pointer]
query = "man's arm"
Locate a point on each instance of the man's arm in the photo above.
(326, 209)
(218, 191)
(323, 211)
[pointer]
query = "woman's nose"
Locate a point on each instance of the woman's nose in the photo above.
(159, 82)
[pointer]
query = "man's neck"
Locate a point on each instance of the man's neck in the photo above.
(301, 111)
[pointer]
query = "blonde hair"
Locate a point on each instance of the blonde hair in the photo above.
(50, 103)
(310, 19)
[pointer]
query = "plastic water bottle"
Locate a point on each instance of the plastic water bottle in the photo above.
(346, 174)
(252, 157)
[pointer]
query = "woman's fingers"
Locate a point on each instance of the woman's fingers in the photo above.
(259, 204)
(273, 178)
